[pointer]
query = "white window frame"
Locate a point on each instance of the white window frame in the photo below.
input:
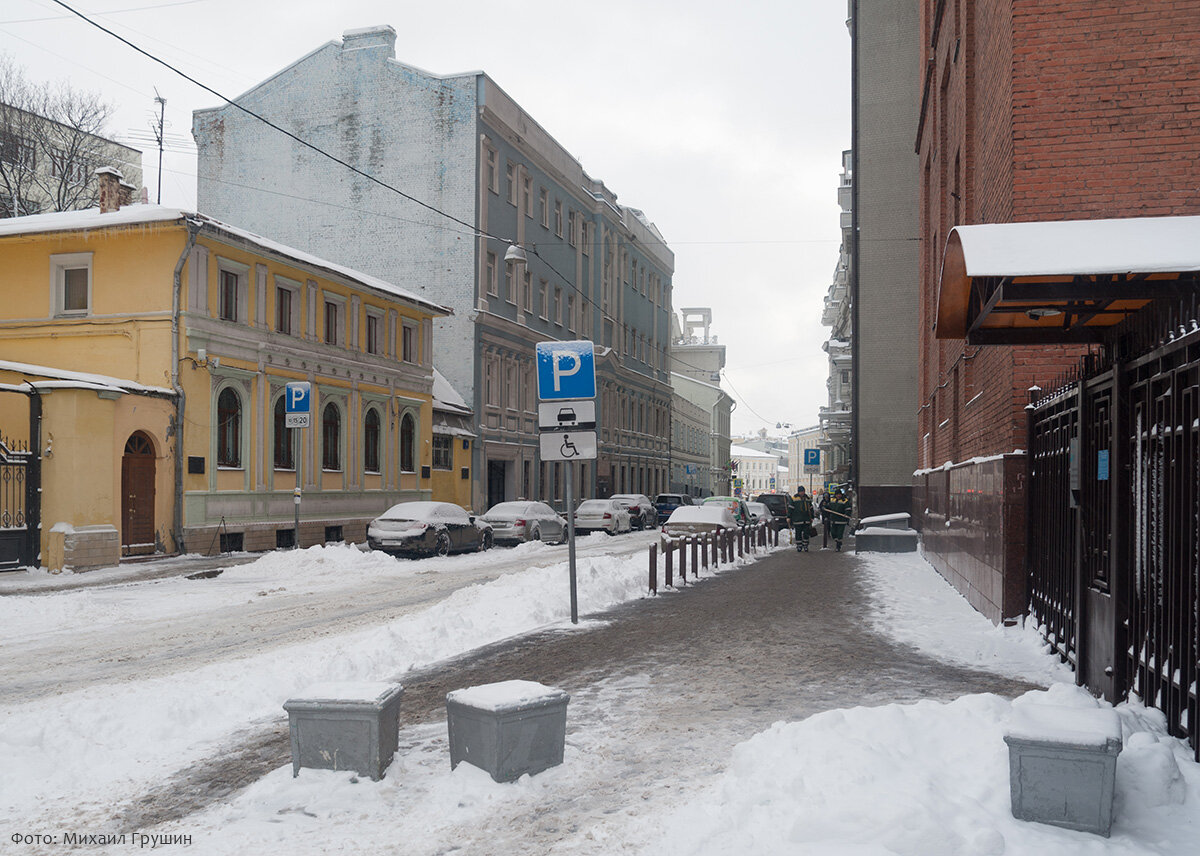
(490, 275)
(60, 263)
(544, 295)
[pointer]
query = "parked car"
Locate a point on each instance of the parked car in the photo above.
(514, 522)
(694, 519)
(737, 507)
(760, 512)
(594, 515)
(642, 512)
(428, 529)
(665, 503)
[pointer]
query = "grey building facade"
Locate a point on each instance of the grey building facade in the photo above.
(886, 62)
(459, 144)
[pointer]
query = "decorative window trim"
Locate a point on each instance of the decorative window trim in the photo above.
(490, 284)
(242, 273)
(379, 439)
(242, 426)
(410, 332)
(294, 288)
(340, 408)
(407, 414)
(339, 329)
(380, 318)
(60, 263)
(544, 295)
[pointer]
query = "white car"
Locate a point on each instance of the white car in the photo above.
(515, 522)
(698, 519)
(607, 515)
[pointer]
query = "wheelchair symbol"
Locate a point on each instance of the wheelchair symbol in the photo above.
(568, 449)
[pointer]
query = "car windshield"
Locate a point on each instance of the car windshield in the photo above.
(593, 505)
(508, 508)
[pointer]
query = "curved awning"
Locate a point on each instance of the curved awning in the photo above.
(1062, 281)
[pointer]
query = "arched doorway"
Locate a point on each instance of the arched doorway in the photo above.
(137, 496)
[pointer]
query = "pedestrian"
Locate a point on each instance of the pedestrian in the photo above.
(838, 510)
(801, 517)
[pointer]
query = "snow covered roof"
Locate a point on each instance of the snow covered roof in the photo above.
(64, 379)
(445, 396)
(90, 220)
(1060, 281)
(747, 452)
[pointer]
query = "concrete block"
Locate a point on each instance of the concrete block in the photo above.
(508, 729)
(1062, 764)
(886, 521)
(345, 726)
(877, 539)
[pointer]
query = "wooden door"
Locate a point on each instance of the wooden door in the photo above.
(137, 496)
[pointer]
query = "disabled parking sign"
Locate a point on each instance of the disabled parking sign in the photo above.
(566, 370)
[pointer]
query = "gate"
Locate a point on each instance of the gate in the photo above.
(1114, 526)
(19, 530)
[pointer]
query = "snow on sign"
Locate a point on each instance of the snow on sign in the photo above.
(566, 370)
(297, 404)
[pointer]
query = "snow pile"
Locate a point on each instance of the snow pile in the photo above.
(926, 779)
(916, 606)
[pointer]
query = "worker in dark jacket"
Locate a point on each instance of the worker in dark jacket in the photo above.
(838, 509)
(801, 518)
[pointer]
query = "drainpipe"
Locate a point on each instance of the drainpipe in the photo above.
(194, 226)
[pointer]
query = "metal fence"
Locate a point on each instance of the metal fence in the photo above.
(14, 511)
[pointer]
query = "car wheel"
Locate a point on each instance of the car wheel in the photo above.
(536, 535)
(485, 543)
(441, 547)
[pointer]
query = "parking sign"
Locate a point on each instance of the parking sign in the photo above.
(566, 370)
(297, 404)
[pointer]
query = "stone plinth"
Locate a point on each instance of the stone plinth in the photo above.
(508, 729)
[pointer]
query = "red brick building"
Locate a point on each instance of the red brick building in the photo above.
(1032, 110)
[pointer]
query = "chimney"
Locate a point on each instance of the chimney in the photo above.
(126, 193)
(110, 189)
(383, 36)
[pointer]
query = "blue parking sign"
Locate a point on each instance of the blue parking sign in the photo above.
(812, 457)
(298, 397)
(566, 370)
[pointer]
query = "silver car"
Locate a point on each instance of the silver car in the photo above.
(522, 520)
(602, 515)
(642, 512)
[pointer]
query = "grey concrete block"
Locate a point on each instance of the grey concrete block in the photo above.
(508, 729)
(885, 540)
(345, 726)
(1062, 765)
(899, 520)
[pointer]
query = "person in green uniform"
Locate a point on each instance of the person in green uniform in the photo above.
(838, 509)
(800, 515)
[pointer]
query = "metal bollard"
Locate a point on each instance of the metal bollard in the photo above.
(741, 542)
(669, 549)
(695, 558)
(683, 559)
(654, 568)
(715, 538)
(704, 551)
(725, 546)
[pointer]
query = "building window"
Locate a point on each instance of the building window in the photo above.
(374, 335)
(571, 228)
(493, 178)
(544, 207)
(285, 438)
(527, 292)
(331, 438)
(491, 274)
(443, 452)
(511, 182)
(229, 429)
(408, 342)
(571, 312)
(284, 298)
(510, 293)
(228, 296)
(490, 387)
(558, 224)
(558, 305)
(408, 444)
(371, 441)
(583, 236)
(542, 304)
(71, 286)
(527, 195)
(333, 323)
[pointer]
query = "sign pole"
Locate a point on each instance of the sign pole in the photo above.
(299, 482)
(571, 543)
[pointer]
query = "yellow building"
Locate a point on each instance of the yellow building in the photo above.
(158, 344)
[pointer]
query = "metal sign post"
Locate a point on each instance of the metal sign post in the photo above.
(297, 414)
(567, 422)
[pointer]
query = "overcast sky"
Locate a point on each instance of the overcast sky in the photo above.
(723, 121)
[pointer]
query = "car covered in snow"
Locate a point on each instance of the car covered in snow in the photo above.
(697, 519)
(428, 529)
(760, 513)
(524, 520)
(602, 515)
(642, 512)
(736, 506)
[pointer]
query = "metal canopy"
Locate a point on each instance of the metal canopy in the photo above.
(1062, 282)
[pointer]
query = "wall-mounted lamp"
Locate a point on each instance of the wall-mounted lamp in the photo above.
(1042, 312)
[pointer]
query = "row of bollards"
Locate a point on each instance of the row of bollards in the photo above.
(708, 549)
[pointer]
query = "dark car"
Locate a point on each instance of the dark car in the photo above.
(780, 505)
(665, 503)
(427, 529)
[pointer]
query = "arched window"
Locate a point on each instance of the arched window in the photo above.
(285, 439)
(408, 444)
(229, 429)
(371, 441)
(331, 435)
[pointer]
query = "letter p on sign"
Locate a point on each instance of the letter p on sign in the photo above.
(566, 370)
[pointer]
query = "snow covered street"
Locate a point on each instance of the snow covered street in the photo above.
(824, 703)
